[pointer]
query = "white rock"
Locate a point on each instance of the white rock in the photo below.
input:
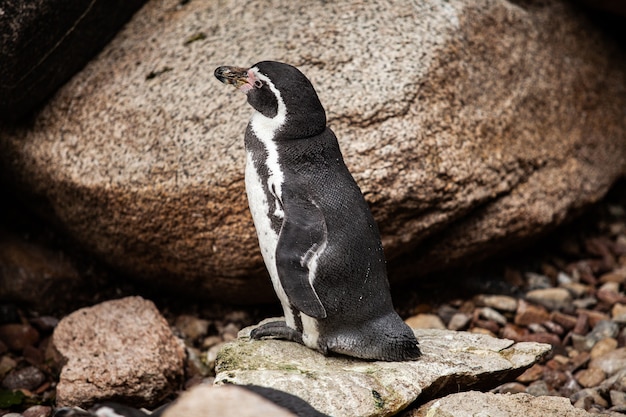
(479, 404)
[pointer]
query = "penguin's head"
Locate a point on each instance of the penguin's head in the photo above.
(279, 92)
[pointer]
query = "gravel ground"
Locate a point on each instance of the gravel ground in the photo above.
(567, 289)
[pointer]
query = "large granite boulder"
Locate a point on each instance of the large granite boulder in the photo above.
(469, 127)
(44, 42)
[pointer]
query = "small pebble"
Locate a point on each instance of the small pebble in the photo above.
(604, 328)
(563, 279)
(38, 411)
(554, 327)
(531, 374)
(211, 341)
(582, 324)
(18, 336)
(529, 313)
(425, 321)
(230, 331)
(618, 313)
(45, 324)
(196, 364)
(7, 364)
(567, 321)
(510, 388)
(513, 332)
(480, 330)
(498, 302)
(27, 378)
(618, 398)
(192, 327)
(536, 281)
(610, 297)
(491, 314)
(550, 298)
(459, 321)
(611, 362)
(585, 302)
(603, 346)
(580, 359)
(570, 386)
(537, 328)
(590, 377)
(446, 312)
(576, 289)
(211, 356)
(596, 316)
(539, 388)
(588, 396)
(548, 338)
(554, 378)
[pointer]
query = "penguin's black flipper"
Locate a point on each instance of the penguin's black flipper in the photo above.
(302, 238)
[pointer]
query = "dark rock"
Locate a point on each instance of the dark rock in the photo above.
(529, 313)
(34, 275)
(18, 336)
(44, 42)
(27, 378)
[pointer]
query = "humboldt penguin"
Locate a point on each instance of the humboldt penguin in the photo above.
(318, 238)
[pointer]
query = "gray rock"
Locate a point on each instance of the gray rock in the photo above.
(498, 302)
(117, 349)
(341, 386)
(473, 404)
(461, 121)
(28, 378)
(550, 298)
(611, 362)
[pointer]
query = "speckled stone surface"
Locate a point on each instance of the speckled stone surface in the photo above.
(347, 387)
(468, 126)
(471, 404)
(117, 349)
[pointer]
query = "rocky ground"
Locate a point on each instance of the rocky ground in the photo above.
(567, 289)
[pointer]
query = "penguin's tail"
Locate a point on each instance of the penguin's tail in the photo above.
(387, 338)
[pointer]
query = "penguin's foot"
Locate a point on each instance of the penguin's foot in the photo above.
(276, 330)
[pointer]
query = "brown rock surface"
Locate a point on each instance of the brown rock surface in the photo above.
(469, 126)
(117, 349)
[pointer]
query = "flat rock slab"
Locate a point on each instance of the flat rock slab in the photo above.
(472, 404)
(341, 386)
(117, 349)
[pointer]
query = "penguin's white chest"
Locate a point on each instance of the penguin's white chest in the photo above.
(263, 190)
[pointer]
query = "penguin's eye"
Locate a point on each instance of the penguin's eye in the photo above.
(258, 84)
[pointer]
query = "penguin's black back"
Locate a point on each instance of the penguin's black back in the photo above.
(351, 278)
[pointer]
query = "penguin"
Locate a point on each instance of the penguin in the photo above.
(318, 238)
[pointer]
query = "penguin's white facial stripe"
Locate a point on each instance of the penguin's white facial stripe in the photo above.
(265, 129)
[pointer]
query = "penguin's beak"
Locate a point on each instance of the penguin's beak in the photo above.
(232, 75)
